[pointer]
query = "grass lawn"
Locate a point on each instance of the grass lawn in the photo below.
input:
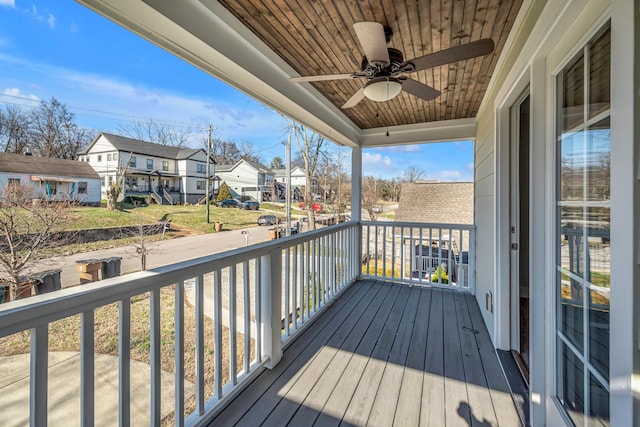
(185, 217)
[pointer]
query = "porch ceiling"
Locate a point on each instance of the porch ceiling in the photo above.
(256, 45)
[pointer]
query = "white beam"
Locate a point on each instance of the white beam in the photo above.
(447, 130)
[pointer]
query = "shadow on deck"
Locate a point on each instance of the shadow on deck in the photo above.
(384, 354)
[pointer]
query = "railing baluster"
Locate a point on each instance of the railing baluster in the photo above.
(217, 334)
(375, 248)
(39, 375)
(233, 333)
(87, 350)
(258, 312)
(287, 282)
(179, 354)
(308, 278)
(294, 287)
(156, 367)
(124, 363)
(200, 398)
(247, 315)
(384, 251)
(368, 253)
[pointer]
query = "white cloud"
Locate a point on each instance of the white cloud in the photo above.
(8, 3)
(378, 165)
(42, 16)
(14, 92)
(455, 175)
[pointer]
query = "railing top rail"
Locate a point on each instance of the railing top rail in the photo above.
(41, 309)
(421, 225)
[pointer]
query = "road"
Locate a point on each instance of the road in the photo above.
(162, 253)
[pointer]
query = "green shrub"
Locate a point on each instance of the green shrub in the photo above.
(224, 192)
(439, 274)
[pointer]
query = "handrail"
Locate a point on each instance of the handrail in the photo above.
(273, 288)
(167, 196)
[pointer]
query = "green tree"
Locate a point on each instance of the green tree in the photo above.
(277, 163)
(224, 192)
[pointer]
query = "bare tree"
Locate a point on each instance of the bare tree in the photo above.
(157, 132)
(229, 152)
(412, 174)
(370, 196)
(28, 228)
(14, 130)
(54, 133)
(310, 146)
(116, 190)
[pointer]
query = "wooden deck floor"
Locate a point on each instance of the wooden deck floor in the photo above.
(384, 355)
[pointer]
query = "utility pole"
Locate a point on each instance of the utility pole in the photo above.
(208, 172)
(288, 184)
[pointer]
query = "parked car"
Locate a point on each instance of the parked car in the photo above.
(317, 207)
(227, 203)
(269, 220)
(249, 205)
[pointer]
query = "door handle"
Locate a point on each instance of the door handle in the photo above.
(514, 246)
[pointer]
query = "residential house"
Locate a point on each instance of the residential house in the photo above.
(52, 179)
(169, 175)
(553, 263)
(298, 182)
(248, 179)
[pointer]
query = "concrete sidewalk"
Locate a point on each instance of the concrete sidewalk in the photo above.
(64, 390)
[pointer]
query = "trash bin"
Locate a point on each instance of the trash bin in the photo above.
(111, 267)
(274, 233)
(47, 281)
(88, 270)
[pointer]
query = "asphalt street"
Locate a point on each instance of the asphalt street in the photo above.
(162, 253)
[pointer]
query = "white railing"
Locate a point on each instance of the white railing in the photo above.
(253, 300)
(420, 253)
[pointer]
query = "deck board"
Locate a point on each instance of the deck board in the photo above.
(384, 354)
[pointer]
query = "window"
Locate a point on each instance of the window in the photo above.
(87, 159)
(132, 162)
(99, 157)
(14, 181)
(165, 166)
(82, 187)
(200, 185)
(201, 168)
(108, 157)
(51, 188)
(104, 181)
(131, 182)
(115, 156)
(583, 206)
(149, 163)
(110, 181)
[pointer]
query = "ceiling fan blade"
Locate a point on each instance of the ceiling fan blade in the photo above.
(373, 42)
(453, 54)
(324, 77)
(420, 90)
(353, 101)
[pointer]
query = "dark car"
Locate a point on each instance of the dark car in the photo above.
(227, 203)
(249, 205)
(269, 220)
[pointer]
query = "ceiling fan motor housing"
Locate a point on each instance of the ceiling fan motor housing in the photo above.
(395, 59)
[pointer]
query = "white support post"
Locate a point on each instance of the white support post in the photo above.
(39, 376)
(271, 299)
(356, 204)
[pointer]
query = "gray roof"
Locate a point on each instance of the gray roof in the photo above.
(259, 166)
(436, 202)
(33, 165)
(130, 145)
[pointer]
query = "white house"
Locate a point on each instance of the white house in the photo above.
(168, 174)
(247, 178)
(298, 180)
(53, 179)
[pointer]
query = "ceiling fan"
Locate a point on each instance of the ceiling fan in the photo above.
(385, 68)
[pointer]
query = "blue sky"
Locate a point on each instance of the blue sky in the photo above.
(108, 76)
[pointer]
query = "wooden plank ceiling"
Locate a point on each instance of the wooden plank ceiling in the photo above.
(317, 37)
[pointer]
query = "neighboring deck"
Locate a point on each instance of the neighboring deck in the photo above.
(384, 354)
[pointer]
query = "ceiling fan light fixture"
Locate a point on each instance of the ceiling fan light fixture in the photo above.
(382, 89)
